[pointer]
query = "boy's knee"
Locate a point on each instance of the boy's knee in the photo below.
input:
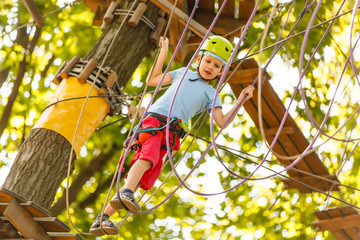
(146, 162)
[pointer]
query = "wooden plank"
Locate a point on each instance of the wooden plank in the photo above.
(270, 120)
(34, 12)
(94, 4)
(348, 233)
(224, 24)
(340, 235)
(317, 183)
(337, 223)
(284, 130)
(353, 232)
(175, 31)
(228, 9)
(246, 76)
(182, 17)
(273, 111)
(339, 212)
(50, 224)
(31, 207)
(98, 18)
(278, 110)
(65, 236)
(6, 195)
(23, 221)
(203, 5)
(347, 210)
(335, 212)
(7, 230)
(245, 9)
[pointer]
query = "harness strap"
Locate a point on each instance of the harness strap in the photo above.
(174, 124)
(148, 132)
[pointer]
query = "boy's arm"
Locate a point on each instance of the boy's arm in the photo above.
(221, 118)
(157, 73)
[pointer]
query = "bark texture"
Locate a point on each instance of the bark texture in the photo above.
(40, 166)
(129, 47)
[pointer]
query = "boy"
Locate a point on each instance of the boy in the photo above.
(194, 96)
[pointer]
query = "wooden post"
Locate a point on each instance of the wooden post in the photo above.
(34, 12)
(67, 69)
(155, 35)
(85, 73)
(109, 12)
(109, 83)
(140, 9)
(23, 221)
(57, 79)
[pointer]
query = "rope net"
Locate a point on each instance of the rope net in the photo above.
(344, 79)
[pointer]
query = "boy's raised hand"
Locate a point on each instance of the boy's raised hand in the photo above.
(249, 91)
(164, 44)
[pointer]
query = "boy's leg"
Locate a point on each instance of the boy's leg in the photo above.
(136, 172)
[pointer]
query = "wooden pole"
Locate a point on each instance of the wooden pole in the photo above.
(34, 12)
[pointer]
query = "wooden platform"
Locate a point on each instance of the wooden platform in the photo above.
(342, 222)
(22, 219)
(291, 140)
(234, 16)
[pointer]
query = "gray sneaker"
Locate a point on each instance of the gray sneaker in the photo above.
(108, 227)
(115, 203)
(129, 202)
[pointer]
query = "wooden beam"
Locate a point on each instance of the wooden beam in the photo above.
(175, 31)
(23, 221)
(314, 182)
(31, 207)
(338, 223)
(8, 231)
(223, 25)
(34, 12)
(246, 76)
(6, 195)
(182, 17)
(335, 212)
(65, 236)
(50, 224)
(284, 130)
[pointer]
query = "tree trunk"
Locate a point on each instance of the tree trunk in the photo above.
(96, 164)
(42, 161)
(40, 166)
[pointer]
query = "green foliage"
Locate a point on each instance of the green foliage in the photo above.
(254, 210)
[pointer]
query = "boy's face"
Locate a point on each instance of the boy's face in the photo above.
(210, 67)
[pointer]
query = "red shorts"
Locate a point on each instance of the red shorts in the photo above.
(150, 150)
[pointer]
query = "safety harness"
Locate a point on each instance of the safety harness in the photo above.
(139, 139)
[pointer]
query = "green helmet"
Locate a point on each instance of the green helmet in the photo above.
(219, 46)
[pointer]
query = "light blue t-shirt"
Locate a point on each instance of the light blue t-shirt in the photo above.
(193, 97)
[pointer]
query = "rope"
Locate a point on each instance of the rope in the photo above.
(157, 88)
(77, 126)
(213, 138)
(122, 12)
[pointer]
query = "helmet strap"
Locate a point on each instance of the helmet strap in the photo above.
(198, 68)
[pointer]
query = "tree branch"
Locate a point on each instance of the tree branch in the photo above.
(22, 69)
